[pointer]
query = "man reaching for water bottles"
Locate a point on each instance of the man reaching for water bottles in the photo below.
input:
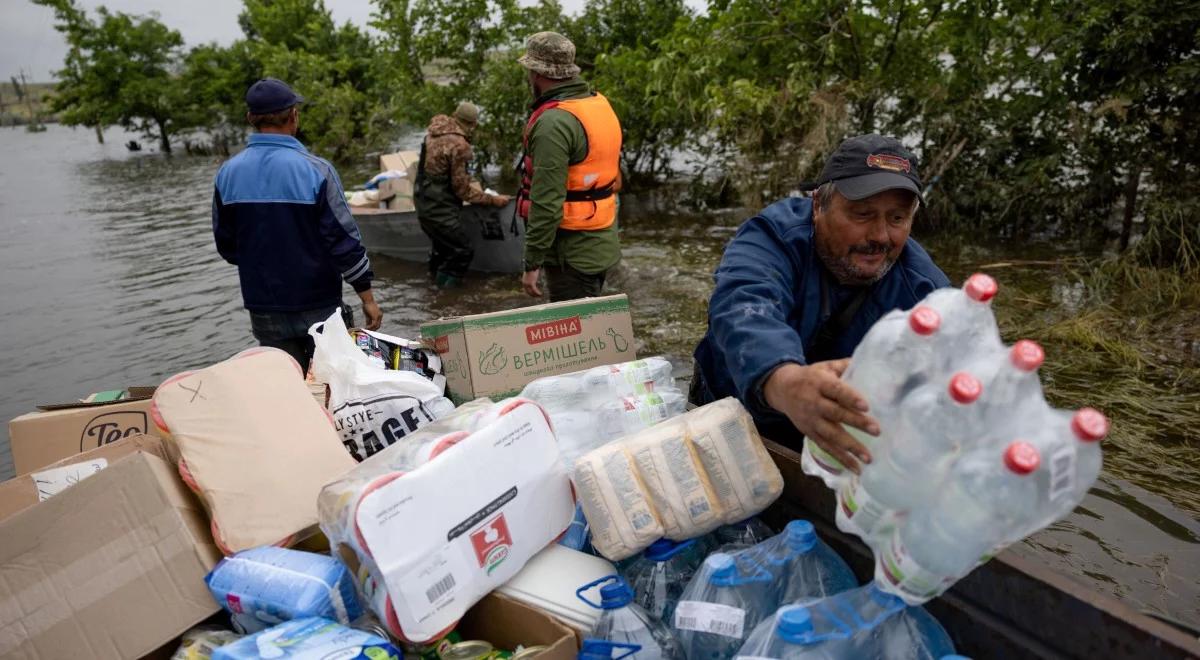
(280, 216)
(799, 286)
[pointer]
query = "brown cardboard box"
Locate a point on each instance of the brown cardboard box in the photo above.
(497, 354)
(397, 194)
(113, 567)
(507, 623)
(26, 490)
(60, 430)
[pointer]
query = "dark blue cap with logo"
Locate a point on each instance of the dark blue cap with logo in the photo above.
(870, 164)
(270, 95)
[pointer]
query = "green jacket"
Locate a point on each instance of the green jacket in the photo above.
(556, 141)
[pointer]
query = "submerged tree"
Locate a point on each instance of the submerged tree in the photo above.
(119, 70)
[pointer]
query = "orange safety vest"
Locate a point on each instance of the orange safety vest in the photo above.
(591, 183)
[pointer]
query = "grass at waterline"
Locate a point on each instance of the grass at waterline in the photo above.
(1125, 338)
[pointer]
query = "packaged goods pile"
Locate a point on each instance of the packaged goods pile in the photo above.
(970, 457)
(678, 479)
(430, 552)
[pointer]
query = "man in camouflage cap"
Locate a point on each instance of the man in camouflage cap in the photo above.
(570, 175)
(441, 188)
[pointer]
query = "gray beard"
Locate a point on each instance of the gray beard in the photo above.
(846, 274)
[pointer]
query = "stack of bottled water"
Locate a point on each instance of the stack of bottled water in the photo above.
(970, 457)
(859, 623)
(660, 574)
(593, 407)
(625, 625)
(732, 592)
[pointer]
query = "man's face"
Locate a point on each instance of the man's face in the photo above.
(859, 241)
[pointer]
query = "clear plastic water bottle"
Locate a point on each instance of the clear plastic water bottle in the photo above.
(916, 455)
(892, 358)
(1013, 381)
(557, 393)
(627, 415)
(1070, 445)
(979, 506)
(626, 623)
(968, 324)
(629, 378)
(659, 576)
(802, 566)
(739, 535)
(721, 605)
(861, 623)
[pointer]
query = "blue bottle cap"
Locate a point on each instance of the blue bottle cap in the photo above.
(616, 594)
(721, 566)
(664, 549)
(801, 536)
(794, 625)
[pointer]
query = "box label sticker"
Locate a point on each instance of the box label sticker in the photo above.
(54, 481)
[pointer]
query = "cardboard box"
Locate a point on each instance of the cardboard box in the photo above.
(26, 490)
(113, 567)
(61, 430)
(401, 160)
(496, 355)
(507, 623)
(397, 194)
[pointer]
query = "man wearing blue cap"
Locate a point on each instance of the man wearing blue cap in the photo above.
(799, 286)
(280, 216)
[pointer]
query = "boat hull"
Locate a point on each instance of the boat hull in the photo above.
(495, 233)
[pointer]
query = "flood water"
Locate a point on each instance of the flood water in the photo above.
(110, 278)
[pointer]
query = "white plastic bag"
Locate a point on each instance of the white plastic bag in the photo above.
(372, 408)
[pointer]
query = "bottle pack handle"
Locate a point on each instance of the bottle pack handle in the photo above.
(591, 585)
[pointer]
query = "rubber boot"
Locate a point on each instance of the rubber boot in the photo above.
(447, 281)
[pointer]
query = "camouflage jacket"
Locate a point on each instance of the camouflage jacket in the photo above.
(447, 153)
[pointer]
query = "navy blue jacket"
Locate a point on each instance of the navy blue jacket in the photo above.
(766, 308)
(280, 216)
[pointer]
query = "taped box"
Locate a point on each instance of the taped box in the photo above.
(497, 354)
(112, 567)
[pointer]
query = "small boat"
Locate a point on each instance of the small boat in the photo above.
(496, 233)
(1009, 607)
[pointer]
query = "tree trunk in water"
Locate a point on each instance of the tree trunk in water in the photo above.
(164, 142)
(1131, 191)
(99, 134)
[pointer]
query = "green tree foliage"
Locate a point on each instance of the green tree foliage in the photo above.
(1062, 117)
(119, 70)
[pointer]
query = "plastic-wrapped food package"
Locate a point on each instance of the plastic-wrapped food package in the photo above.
(679, 479)
(264, 586)
(255, 446)
(310, 639)
(433, 540)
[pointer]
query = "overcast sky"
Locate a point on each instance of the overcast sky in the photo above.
(28, 40)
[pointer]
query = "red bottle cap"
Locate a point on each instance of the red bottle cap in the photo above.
(1027, 355)
(1089, 424)
(924, 320)
(965, 388)
(1022, 457)
(980, 287)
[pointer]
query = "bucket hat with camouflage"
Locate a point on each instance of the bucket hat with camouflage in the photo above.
(550, 54)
